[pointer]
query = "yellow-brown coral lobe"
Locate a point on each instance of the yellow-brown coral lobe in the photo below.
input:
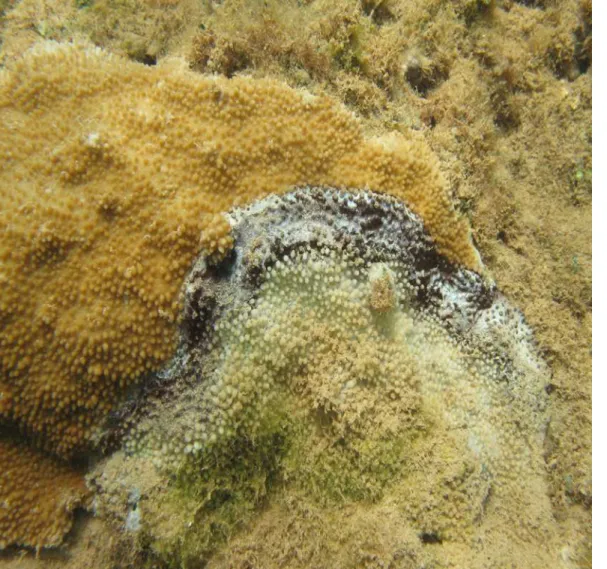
(36, 504)
(113, 176)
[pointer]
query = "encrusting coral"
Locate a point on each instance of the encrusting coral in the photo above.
(332, 354)
(113, 178)
(36, 502)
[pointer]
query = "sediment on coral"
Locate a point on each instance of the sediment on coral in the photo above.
(329, 355)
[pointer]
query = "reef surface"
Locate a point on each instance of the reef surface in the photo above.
(501, 93)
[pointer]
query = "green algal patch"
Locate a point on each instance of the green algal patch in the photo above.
(341, 471)
(219, 492)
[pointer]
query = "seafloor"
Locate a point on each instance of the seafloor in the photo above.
(501, 92)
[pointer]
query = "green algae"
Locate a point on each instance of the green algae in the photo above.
(219, 493)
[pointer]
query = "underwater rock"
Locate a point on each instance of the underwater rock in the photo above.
(337, 356)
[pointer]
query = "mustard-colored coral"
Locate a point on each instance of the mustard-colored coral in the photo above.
(36, 503)
(215, 239)
(112, 177)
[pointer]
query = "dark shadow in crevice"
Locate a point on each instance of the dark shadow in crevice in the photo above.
(424, 80)
(430, 538)
(379, 11)
(540, 4)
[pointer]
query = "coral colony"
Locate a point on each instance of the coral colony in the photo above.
(226, 284)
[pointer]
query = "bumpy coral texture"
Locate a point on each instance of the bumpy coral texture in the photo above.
(355, 365)
(113, 178)
(36, 503)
